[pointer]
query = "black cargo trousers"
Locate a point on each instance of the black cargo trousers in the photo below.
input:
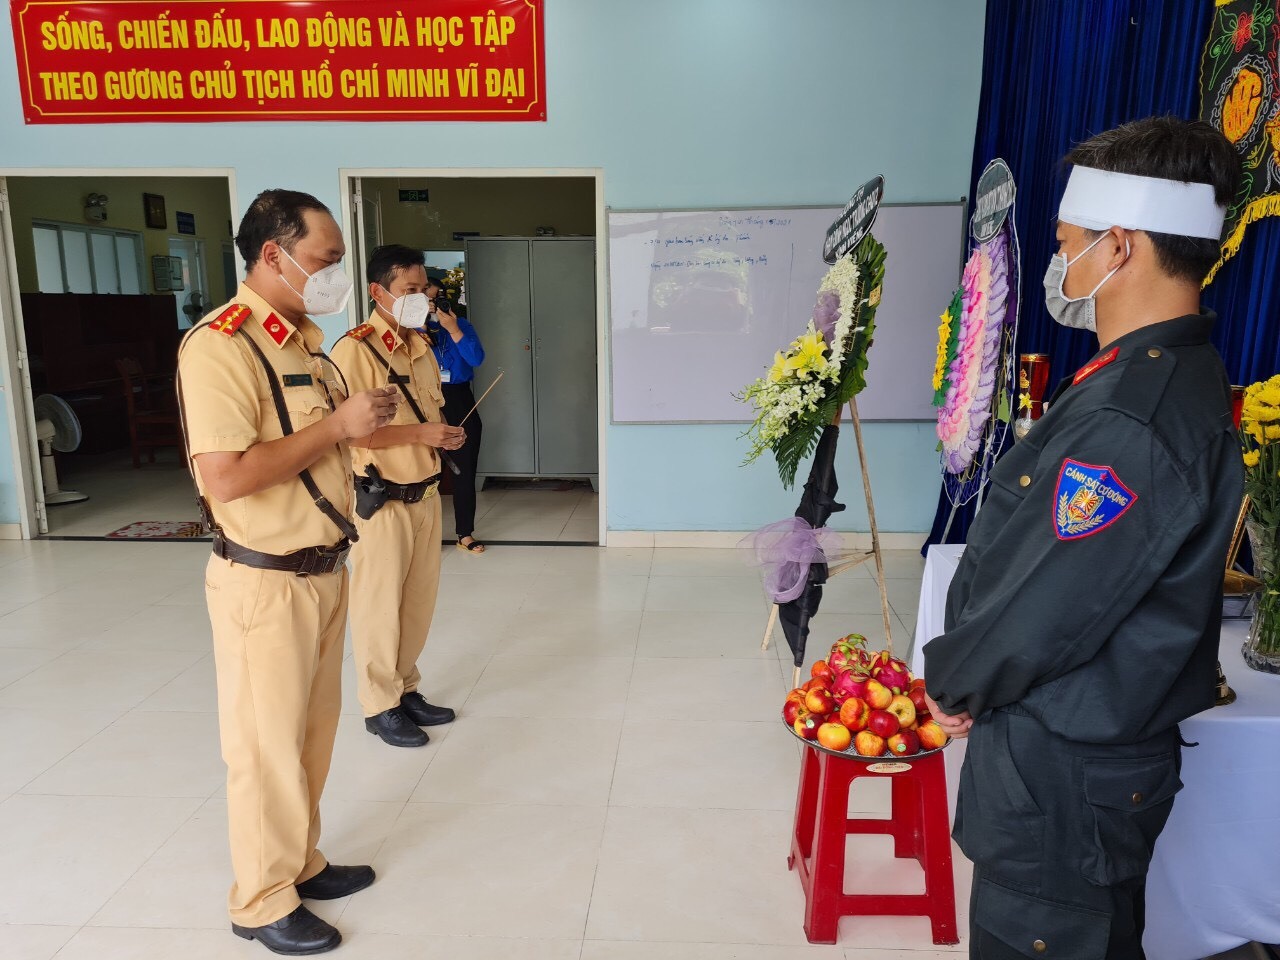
(1061, 835)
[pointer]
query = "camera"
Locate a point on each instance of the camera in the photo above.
(442, 304)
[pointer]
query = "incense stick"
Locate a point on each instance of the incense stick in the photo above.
(501, 374)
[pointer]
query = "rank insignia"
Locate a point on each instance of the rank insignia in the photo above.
(1088, 499)
(1093, 366)
(389, 339)
(362, 331)
(230, 320)
(276, 329)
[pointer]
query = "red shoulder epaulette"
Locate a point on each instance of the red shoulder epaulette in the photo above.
(1089, 369)
(231, 319)
(362, 331)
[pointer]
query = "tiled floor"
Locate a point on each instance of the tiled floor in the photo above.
(120, 495)
(615, 787)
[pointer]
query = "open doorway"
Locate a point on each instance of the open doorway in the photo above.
(109, 269)
(520, 253)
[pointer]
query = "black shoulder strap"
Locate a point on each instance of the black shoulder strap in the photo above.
(397, 379)
(345, 527)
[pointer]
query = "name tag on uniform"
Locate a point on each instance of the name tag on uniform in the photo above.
(297, 379)
(399, 378)
(446, 376)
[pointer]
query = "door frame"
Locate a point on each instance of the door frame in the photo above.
(20, 413)
(603, 386)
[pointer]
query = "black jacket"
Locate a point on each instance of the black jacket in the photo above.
(1090, 591)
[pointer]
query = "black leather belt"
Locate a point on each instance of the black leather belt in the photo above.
(307, 562)
(412, 492)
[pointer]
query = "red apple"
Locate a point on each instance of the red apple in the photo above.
(790, 710)
(819, 700)
(931, 735)
(807, 725)
(868, 744)
(854, 713)
(904, 743)
(877, 695)
(920, 699)
(821, 671)
(917, 683)
(834, 736)
(902, 708)
(882, 723)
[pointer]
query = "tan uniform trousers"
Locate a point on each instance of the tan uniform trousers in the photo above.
(277, 644)
(393, 597)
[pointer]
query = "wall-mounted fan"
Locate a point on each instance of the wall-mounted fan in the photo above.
(197, 306)
(57, 428)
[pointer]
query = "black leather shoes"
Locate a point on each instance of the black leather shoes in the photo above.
(300, 934)
(425, 714)
(395, 728)
(334, 882)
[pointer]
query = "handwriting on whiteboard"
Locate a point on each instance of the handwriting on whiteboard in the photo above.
(722, 261)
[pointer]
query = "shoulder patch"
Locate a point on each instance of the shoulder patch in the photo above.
(362, 331)
(1088, 499)
(1093, 366)
(231, 319)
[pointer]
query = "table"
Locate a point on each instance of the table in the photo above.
(1215, 878)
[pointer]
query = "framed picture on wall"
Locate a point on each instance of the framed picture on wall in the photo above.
(153, 207)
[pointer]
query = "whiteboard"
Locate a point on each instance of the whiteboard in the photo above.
(701, 300)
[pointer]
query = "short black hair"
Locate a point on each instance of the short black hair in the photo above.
(435, 282)
(386, 261)
(275, 215)
(1190, 151)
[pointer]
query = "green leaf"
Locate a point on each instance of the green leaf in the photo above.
(1002, 411)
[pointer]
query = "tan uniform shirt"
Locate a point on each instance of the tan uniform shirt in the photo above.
(228, 407)
(417, 375)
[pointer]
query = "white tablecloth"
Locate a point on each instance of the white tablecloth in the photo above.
(1215, 879)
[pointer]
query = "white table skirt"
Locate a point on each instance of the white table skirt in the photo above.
(1215, 879)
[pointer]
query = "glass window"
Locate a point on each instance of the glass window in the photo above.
(75, 261)
(48, 260)
(105, 272)
(128, 255)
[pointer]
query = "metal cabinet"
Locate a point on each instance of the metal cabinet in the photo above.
(533, 303)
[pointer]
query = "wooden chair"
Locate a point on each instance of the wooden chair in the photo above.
(151, 424)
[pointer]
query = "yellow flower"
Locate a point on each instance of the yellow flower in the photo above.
(940, 365)
(1252, 457)
(779, 368)
(1272, 433)
(809, 353)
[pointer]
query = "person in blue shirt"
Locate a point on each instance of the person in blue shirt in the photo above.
(459, 352)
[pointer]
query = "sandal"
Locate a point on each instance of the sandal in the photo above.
(474, 547)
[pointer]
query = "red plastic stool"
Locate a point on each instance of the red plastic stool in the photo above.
(918, 827)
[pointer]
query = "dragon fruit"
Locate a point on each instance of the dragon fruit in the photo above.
(848, 652)
(891, 672)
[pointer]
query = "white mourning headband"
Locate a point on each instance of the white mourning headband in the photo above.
(1099, 200)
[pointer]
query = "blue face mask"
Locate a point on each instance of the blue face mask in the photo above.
(1079, 313)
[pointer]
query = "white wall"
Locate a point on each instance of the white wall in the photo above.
(712, 103)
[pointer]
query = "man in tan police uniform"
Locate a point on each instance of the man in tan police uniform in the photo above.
(266, 417)
(397, 561)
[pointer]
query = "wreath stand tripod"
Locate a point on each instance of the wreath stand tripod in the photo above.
(856, 558)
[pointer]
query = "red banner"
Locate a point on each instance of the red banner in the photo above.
(140, 61)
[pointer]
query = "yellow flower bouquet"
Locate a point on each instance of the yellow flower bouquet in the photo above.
(1260, 442)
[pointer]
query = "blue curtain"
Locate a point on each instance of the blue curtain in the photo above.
(1055, 72)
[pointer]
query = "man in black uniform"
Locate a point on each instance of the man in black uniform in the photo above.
(1083, 622)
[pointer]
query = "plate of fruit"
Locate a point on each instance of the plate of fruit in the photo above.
(863, 705)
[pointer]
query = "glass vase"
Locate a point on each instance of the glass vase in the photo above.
(1261, 649)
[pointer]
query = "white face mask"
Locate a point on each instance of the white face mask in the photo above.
(410, 311)
(1080, 313)
(326, 291)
